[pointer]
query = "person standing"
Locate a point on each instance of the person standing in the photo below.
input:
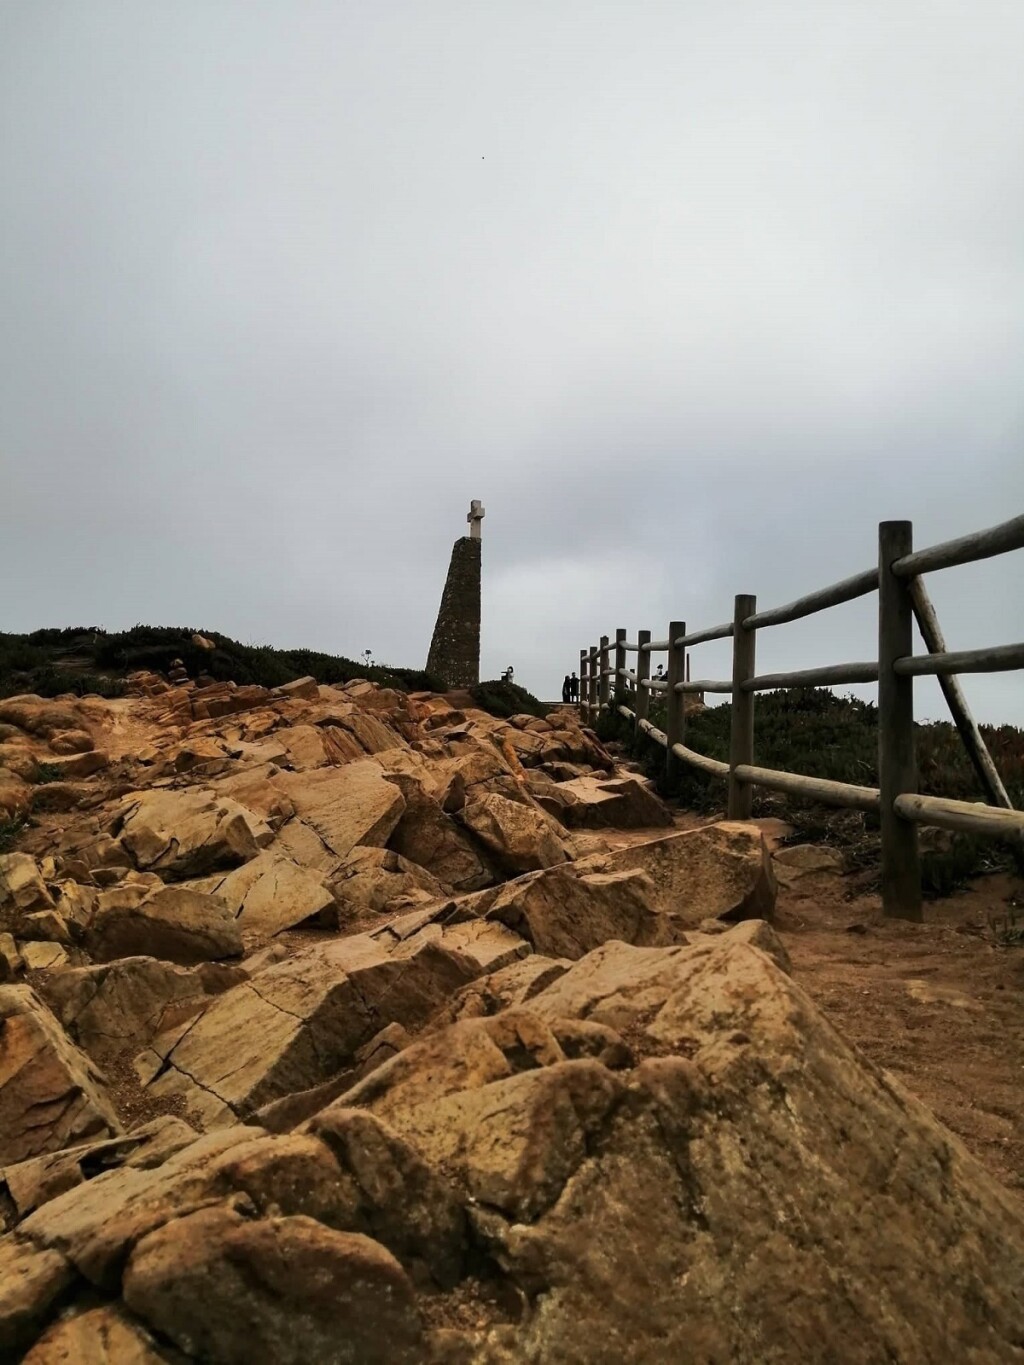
(566, 690)
(574, 688)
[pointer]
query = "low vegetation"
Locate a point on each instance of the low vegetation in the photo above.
(87, 660)
(500, 698)
(815, 732)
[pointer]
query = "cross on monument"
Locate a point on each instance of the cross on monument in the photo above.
(475, 517)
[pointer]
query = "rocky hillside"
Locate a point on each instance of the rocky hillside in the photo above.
(341, 1025)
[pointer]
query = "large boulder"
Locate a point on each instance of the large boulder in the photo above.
(673, 1156)
(592, 802)
(99, 1336)
(380, 880)
(116, 1005)
(22, 891)
(272, 893)
(301, 1021)
(51, 1094)
(346, 806)
(521, 838)
(181, 834)
(428, 837)
(290, 1290)
(721, 871)
(175, 923)
(564, 913)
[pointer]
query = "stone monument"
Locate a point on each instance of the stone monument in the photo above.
(455, 648)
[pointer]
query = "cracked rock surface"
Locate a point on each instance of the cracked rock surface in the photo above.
(346, 1049)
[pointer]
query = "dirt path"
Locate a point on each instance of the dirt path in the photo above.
(937, 1004)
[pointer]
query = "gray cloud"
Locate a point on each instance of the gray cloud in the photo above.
(691, 295)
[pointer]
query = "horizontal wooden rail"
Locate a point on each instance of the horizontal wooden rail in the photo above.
(818, 788)
(898, 580)
(706, 685)
(815, 677)
(844, 591)
(696, 760)
(700, 637)
(996, 540)
(997, 659)
(967, 817)
(659, 736)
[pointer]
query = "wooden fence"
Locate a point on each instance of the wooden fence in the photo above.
(902, 599)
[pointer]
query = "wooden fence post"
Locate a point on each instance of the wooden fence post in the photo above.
(592, 687)
(741, 732)
(619, 682)
(897, 763)
(584, 674)
(643, 672)
(602, 665)
(675, 723)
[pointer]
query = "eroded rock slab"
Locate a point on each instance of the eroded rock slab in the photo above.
(721, 871)
(297, 1023)
(51, 1094)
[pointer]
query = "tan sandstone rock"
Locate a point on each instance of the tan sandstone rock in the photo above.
(720, 871)
(521, 838)
(272, 893)
(288, 1290)
(182, 834)
(425, 835)
(174, 923)
(51, 1095)
(345, 806)
(299, 1022)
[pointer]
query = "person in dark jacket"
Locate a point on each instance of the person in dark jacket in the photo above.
(574, 687)
(566, 690)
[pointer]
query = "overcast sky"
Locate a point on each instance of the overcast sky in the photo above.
(691, 295)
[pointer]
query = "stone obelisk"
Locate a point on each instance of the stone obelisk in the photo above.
(455, 649)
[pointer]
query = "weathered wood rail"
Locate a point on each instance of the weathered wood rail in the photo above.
(605, 681)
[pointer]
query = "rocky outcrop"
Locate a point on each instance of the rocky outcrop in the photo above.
(519, 837)
(299, 1022)
(174, 923)
(542, 1109)
(51, 1095)
(428, 837)
(181, 834)
(721, 872)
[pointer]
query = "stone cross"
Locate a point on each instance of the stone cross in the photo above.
(475, 517)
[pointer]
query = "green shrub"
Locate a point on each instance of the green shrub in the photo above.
(10, 828)
(87, 659)
(819, 734)
(504, 699)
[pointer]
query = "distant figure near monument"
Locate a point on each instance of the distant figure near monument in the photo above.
(455, 649)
